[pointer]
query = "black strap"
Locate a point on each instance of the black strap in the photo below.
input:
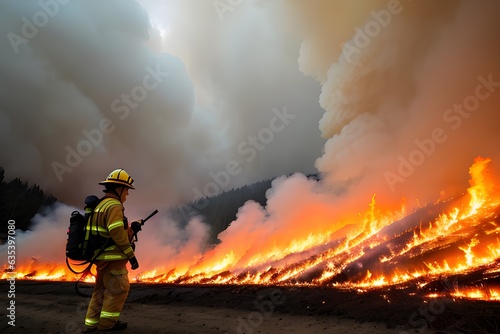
(85, 273)
(87, 269)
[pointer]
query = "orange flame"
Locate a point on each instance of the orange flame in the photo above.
(462, 238)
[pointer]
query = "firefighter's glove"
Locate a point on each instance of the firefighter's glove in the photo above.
(133, 263)
(136, 226)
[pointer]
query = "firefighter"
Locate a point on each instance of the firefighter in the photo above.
(112, 285)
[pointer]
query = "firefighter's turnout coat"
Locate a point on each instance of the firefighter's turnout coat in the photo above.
(112, 285)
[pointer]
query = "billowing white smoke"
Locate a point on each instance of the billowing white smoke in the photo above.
(90, 86)
(410, 99)
(164, 245)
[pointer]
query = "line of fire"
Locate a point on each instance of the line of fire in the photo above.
(454, 242)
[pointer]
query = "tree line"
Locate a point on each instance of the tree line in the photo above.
(219, 211)
(20, 201)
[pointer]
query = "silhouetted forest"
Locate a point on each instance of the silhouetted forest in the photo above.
(219, 211)
(20, 202)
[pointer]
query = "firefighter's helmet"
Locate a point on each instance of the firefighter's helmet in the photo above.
(119, 177)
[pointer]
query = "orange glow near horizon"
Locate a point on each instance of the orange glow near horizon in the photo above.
(463, 237)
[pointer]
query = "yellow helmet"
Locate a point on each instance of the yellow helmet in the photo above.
(119, 177)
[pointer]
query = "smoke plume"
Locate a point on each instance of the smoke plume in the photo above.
(88, 87)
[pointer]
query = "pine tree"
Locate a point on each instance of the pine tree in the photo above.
(20, 202)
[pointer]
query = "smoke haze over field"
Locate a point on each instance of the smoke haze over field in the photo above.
(388, 97)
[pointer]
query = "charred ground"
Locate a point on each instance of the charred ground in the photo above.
(407, 307)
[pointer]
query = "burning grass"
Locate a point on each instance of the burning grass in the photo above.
(456, 241)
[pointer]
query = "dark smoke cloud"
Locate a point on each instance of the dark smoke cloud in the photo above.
(211, 87)
(63, 81)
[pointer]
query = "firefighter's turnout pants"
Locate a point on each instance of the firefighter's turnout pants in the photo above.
(110, 292)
